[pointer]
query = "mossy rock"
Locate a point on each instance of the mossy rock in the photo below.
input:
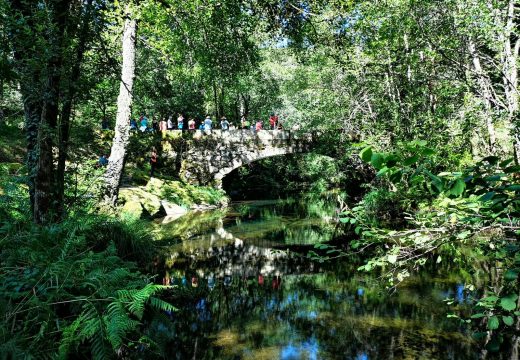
(138, 202)
(186, 195)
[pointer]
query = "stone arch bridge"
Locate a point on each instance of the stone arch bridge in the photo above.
(211, 155)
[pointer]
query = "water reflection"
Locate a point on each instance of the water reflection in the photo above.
(241, 297)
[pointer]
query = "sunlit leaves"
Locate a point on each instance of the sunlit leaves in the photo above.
(366, 154)
(508, 302)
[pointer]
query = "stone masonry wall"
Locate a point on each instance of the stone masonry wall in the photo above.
(211, 155)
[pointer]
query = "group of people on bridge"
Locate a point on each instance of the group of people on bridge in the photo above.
(144, 125)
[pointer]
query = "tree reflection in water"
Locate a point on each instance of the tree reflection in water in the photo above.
(253, 302)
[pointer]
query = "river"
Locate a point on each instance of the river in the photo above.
(242, 295)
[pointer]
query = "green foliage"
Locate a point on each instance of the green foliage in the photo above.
(67, 288)
(452, 207)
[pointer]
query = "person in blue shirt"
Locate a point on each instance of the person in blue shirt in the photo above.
(207, 123)
(103, 161)
(144, 124)
(224, 124)
(133, 124)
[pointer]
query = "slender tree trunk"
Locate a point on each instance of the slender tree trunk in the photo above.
(66, 111)
(45, 202)
(32, 112)
(221, 104)
(29, 88)
(1, 100)
(486, 94)
(116, 161)
(510, 76)
(215, 99)
(244, 105)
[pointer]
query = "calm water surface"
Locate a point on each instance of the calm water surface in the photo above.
(241, 295)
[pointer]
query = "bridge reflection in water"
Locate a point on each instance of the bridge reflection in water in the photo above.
(238, 299)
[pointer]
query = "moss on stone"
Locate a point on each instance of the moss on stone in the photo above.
(145, 201)
(186, 195)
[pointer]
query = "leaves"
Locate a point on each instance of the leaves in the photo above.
(511, 275)
(366, 154)
(458, 188)
(508, 302)
(508, 320)
(411, 160)
(493, 323)
(377, 160)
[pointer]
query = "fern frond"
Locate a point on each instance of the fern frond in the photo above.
(69, 337)
(99, 349)
(160, 304)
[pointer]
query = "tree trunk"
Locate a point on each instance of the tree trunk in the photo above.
(66, 111)
(510, 76)
(486, 94)
(221, 104)
(45, 202)
(32, 112)
(215, 99)
(244, 105)
(116, 161)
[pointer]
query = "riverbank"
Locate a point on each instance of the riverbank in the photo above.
(161, 197)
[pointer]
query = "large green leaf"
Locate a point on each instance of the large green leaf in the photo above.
(366, 154)
(383, 171)
(377, 160)
(512, 169)
(436, 181)
(458, 188)
(392, 259)
(487, 196)
(428, 151)
(508, 320)
(493, 323)
(515, 187)
(411, 160)
(511, 275)
(508, 302)
(478, 316)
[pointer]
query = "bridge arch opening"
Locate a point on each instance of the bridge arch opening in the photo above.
(283, 176)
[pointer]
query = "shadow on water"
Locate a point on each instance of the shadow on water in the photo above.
(240, 299)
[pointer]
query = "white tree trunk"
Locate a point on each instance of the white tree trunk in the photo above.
(510, 76)
(116, 160)
(485, 90)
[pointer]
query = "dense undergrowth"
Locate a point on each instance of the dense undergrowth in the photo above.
(75, 289)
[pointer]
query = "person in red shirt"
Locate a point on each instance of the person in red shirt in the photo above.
(272, 121)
